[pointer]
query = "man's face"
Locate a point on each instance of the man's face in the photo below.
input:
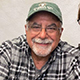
(44, 41)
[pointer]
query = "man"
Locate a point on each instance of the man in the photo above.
(40, 55)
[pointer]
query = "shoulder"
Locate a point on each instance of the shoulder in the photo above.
(72, 53)
(17, 42)
(71, 56)
(69, 51)
(14, 46)
(12, 52)
(66, 47)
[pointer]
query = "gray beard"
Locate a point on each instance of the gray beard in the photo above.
(41, 51)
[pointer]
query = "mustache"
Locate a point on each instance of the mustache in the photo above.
(45, 41)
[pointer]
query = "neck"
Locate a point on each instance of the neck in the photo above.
(39, 61)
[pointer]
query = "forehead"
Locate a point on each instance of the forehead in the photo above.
(43, 15)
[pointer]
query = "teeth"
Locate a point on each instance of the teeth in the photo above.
(45, 41)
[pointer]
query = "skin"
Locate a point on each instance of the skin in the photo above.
(43, 18)
(79, 22)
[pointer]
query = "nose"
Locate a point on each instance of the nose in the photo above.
(43, 33)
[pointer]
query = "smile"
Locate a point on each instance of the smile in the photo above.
(42, 44)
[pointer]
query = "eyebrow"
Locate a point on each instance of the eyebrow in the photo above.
(53, 24)
(35, 23)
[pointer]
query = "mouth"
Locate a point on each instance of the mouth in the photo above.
(42, 44)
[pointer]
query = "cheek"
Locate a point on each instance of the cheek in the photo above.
(29, 37)
(56, 39)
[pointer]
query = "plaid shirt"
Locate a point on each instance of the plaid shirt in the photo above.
(16, 62)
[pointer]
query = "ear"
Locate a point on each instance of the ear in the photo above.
(61, 30)
(25, 28)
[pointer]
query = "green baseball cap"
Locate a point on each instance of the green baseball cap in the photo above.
(45, 6)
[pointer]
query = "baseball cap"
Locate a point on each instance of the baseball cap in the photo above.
(45, 6)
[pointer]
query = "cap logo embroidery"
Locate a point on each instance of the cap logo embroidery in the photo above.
(42, 5)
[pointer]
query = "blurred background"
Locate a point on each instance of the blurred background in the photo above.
(13, 14)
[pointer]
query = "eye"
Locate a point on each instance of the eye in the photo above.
(51, 28)
(35, 28)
